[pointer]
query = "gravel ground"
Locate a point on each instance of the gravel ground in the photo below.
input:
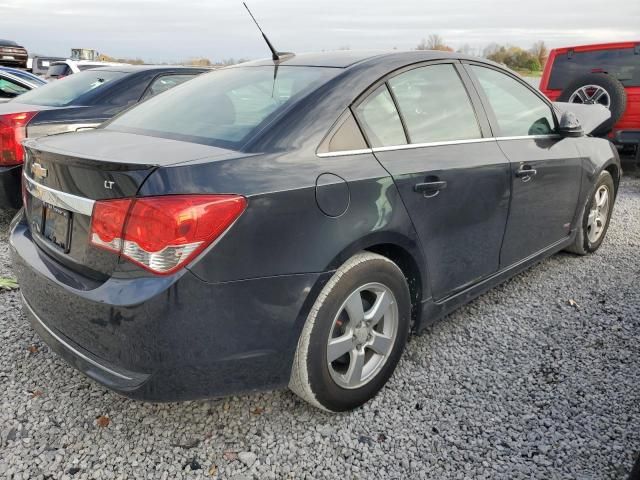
(518, 384)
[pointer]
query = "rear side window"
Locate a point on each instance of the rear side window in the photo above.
(41, 64)
(10, 89)
(224, 107)
(164, 83)
(65, 90)
(344, 136)
(380, 120)
(621, 63)
(518, 110)
(435, 105)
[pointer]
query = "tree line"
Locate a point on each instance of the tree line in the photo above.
(513, 57)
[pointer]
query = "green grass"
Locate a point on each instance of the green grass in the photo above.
(8, 284)
(529, 73)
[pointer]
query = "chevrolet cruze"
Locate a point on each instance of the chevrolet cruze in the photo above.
(291, 222)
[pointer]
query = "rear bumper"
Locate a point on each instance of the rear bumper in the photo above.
(19, 60)
(110, 375)
(10, 187)
(166, 338)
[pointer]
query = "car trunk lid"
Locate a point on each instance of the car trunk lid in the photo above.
(66, 174)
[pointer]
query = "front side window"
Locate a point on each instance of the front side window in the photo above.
(434, 104)
(380, 120)
(518, 110)
(64, 91)
(224, 107)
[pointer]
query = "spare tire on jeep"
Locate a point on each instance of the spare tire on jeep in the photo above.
(598, 88)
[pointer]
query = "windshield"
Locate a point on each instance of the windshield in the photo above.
(60, 93)
(224, 107)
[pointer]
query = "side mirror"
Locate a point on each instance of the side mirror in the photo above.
(570, 125)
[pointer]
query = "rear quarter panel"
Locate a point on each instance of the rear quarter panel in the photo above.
(598, 154)
(283, 231)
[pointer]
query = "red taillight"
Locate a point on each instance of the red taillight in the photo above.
(13, 129)
(162, 234)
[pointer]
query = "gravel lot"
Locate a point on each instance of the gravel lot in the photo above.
(518, 384)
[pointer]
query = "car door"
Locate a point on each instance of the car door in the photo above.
(545, 167)
(434, 140)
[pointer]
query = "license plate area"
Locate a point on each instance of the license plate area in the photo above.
(55, 226)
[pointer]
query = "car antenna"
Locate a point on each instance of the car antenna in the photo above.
(275, 55)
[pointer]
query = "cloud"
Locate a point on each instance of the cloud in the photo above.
(166, 30)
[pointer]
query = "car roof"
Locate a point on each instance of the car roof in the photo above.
(597, 46)
(13, 70)
(349, 58)
(21, 73)
(8, 42)
(126, 68)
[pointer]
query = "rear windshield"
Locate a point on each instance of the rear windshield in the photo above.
(622, 63)
(58, 70)
(60, 93)
(224, 107)
(42, 63)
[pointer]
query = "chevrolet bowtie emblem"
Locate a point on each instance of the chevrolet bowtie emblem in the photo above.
(38, 170)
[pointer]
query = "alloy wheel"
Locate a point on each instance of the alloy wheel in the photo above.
(591, 94)
(597, 219)
(363, 334)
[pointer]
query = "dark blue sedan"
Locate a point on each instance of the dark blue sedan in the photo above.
(290, 222)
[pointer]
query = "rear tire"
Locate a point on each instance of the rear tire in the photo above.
(354, 335)
(596, 217)
(613, 88)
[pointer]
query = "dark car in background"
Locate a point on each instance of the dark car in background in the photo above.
(81, 101)
(288, 224)
(12, 54)
(607, 74)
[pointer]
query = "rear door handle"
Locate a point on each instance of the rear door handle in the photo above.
(430, 189)
(526, 171)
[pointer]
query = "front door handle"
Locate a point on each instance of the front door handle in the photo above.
(430, 189)
(525, 172)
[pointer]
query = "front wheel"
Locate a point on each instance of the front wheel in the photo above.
(596, 216)
(354, 335)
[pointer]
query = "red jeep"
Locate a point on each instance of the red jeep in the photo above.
(608, 74)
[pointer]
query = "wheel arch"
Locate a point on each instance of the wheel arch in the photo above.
(404, 252)
(614, 171)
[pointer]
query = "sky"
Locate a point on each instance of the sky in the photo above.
(176, 30)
